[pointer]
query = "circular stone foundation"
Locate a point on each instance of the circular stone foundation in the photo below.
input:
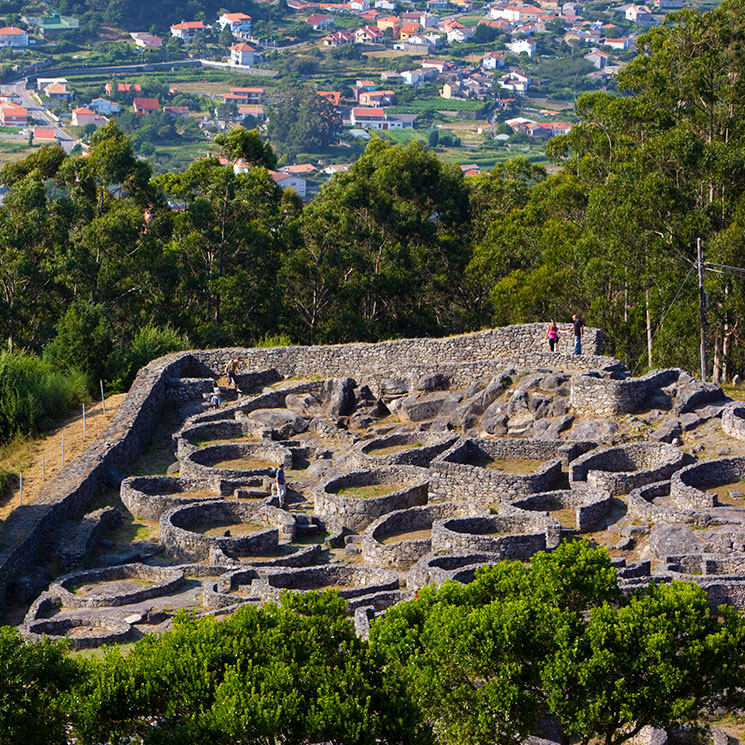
(81, 633)
(356, 499)
(401, 538)
(148, 497)
(351, 581)
(404, 448)
(621, 469)
(515, 535)
(116, 585)
(436, 569)
(582, 510)
(200, 435)
(253, 528)
(236, 460)
(689, 487)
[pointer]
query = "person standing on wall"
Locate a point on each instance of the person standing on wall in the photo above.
(232, 371)
(579, 327)
(552, 334)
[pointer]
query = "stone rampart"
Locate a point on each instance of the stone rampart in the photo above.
(621, 469)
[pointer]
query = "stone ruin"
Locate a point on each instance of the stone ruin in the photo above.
(408, 462)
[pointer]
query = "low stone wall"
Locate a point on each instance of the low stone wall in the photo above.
(513, 534)
(423, 448)
(436, 569)
(350, 581)
(356, 513)
(687, 485)
(591, 506)
(454, 479)
(188, 439)
(402, 554)
(164, 581)
(110, 630)
(621, 469)
(200, 463)
(603, 397)
(642, 509)
(177, 534)
(733, 420)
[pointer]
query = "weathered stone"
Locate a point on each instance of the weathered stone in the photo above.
(597, 430)
(432, 382)
(340, 398)
(672, 540)
(558, 425)
(282, 421)
(422, 407)
(304, 404)
(696, 393)
(667, 431)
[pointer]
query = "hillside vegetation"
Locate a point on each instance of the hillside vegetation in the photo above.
(94, 250)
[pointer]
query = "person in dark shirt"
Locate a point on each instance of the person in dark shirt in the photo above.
(281, 484)
(578, 329)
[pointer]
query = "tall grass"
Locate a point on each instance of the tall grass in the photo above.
(32, 391)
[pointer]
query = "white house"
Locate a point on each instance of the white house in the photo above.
(379, 119)
(522, 46)
(621, 44)
(187, 30)
(385, 4)
(82, 116)
(242, 54)
(639, 14)
(516, 81)
(11, 36)
(289, 181)
(238, 23)
(492, 61)
(359, 6)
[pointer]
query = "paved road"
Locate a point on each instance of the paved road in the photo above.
(39, 113)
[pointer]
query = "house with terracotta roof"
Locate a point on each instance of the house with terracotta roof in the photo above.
(410, 29)
(289, 181)
(177, 112)
(371, 15)
(391, 22)
(187, 30)
(242, 54)
(522, 46)
(622, 44)
(44, 135)
(368, 35)
(244, 95)
(144, 106)
(12, 36)
(252, 110)
(332, 96)
(83, 115)
(338, 38)
(239, 23)
(13, 115)
(122, 88)
(599, 59)
(492, 61)
(58, 91)
(366, 118)
(146, 40)
(376, 99)
(320, 21)
(303, 169)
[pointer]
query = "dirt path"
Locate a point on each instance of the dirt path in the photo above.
(30, 455)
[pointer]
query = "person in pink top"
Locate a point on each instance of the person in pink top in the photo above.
(552, 334)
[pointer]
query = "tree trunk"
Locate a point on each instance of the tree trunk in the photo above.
(649, 329)
(717, 358)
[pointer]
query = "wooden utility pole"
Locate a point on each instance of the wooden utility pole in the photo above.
(702, 307)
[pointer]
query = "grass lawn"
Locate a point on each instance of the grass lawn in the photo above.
(470, 21)
(13, 151)
(174, 158)
(436, 103)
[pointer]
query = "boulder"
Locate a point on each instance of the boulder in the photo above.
(595, 430)
(282, 421)
(560, 406)
(696, 393)
(449, 405)
(301, 403)
(558, 425)
(668, 431)
(673, 540)
(393, 388)
(433, 382)
(340, 398)
(538, 404)
(422, 407)
(494, 419)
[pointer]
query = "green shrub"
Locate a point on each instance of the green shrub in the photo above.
(32, 390)
(150, 343)
(277, 340)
